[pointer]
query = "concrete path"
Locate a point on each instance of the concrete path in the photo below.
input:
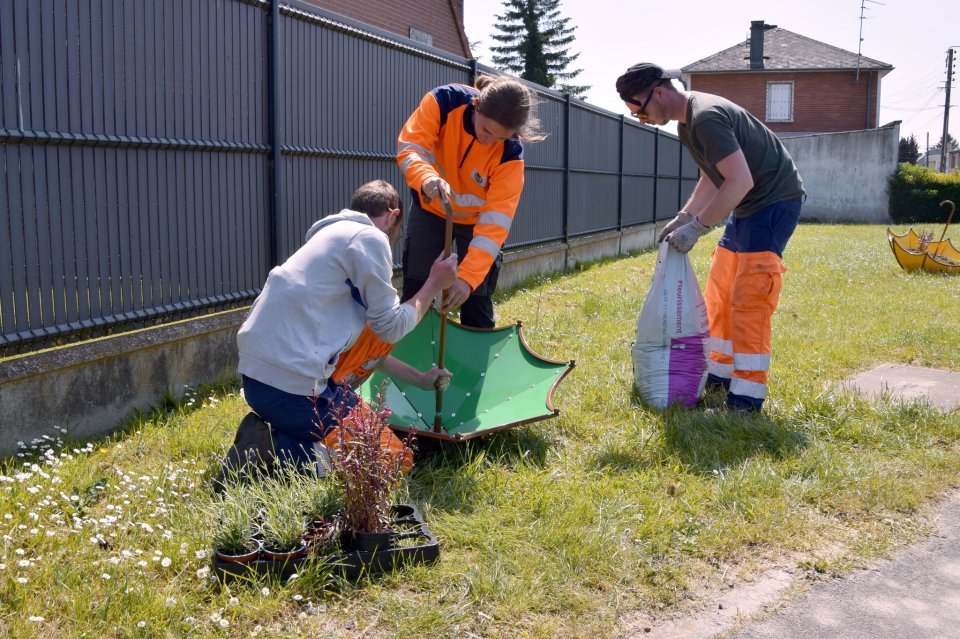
(915, 594)
(937, 387)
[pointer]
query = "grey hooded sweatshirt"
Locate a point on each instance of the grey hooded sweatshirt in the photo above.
(315, 305)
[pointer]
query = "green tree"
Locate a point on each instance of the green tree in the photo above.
(535, 43)
(951, 143)
(909, 150)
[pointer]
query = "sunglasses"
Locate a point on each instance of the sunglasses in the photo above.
(640, 113)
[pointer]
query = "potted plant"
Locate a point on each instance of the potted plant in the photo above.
(233, 533)
(368, 464)
(282, 522)
(321, 500)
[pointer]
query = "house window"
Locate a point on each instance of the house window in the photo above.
(779, 101)
(421, 36)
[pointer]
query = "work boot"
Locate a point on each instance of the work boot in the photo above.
(717, 383)
(252, 452)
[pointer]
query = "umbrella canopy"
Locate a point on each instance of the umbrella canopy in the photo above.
(912, 254)
(498, 382)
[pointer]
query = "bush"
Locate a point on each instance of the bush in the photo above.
(916, 193)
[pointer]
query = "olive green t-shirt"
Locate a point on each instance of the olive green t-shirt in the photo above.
(716, 127)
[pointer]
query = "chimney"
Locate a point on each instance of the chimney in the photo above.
(757, 29)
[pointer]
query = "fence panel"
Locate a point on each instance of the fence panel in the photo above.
(343, 98)
(137, 146)
(129, 182)
(594, 197)
(540, 215)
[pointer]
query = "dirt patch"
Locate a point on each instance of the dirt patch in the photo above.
(742, 592)
(719, 611)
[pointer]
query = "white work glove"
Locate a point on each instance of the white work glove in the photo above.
(686, 236)
(682, 218)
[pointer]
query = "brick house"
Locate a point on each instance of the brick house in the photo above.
(437, 23)
(793, 84)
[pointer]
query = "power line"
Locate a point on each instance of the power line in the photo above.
(905, 105)
(918, 84)
(926, 104)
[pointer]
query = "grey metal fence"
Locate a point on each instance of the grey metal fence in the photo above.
(159, 158)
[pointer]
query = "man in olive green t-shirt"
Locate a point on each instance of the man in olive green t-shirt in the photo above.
(749, 177)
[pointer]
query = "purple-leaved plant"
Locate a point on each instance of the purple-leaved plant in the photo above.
(367, 466)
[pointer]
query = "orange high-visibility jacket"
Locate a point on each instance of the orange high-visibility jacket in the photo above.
(486, 179)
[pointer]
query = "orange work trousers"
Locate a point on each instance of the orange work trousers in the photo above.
(741, 294)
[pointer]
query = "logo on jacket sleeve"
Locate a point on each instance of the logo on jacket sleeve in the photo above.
(479, 179)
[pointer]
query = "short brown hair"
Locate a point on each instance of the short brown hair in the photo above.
(375, 198)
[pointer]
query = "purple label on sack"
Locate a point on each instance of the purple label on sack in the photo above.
(687, 365)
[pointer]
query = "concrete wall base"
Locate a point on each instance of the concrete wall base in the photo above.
(91, 388)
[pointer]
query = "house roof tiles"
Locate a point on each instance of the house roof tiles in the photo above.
(784, 50)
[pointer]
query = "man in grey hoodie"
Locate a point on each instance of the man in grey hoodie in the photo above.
(312, 309)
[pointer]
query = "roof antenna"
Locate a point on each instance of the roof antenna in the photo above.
(863, 7)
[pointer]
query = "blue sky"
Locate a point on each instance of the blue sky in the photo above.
(911, 35)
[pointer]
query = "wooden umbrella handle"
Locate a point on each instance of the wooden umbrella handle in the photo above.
(953, 209)
(942, 235)
(447, 246)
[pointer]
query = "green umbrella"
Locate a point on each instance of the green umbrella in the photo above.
(498, 382)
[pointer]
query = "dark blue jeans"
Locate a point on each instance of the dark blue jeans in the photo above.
(297, 421)
(768, 229)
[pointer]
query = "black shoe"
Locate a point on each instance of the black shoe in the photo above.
(717, 384)
(252, 452)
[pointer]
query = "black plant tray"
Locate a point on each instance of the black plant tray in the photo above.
(420, 547)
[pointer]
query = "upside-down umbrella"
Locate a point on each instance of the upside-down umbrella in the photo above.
(916, 253)
(498, 382)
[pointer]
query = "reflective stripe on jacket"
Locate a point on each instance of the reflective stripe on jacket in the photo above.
(438, 140)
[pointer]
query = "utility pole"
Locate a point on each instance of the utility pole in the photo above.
(863, 7)
(946, 114)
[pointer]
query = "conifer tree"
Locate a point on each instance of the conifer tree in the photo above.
(535, 43)
(909, 150)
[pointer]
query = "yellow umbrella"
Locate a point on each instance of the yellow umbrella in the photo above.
(914, 253)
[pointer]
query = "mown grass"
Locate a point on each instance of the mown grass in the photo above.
(565, 528)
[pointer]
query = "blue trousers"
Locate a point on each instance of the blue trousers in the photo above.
(297, 421)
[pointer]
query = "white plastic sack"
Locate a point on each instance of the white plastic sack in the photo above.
(670, 354)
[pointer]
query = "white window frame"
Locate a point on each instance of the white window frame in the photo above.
(788, 117)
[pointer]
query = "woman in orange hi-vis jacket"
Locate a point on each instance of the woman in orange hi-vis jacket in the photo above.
(746, 173)
(465, 143)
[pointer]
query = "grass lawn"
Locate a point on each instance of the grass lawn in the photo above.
(565, 528)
